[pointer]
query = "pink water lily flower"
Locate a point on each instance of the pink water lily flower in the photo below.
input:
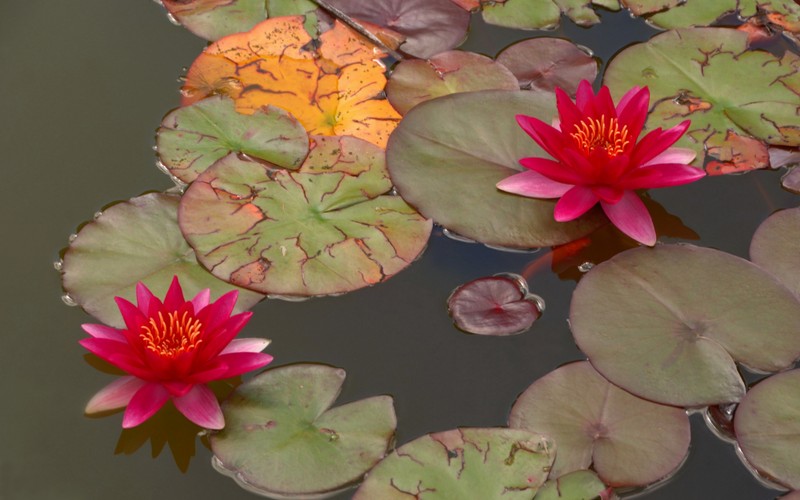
(596, 158)
(170, 350)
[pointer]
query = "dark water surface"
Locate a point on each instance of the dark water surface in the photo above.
(83, 85)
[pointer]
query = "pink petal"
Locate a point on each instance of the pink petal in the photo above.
(632, 218)
(608, 194)
(534, 185)
(246, 345)
(659, 176)
(673, 155)
(134, 319)
(553, 170)
(243, 362)
(575, 202)
(105, 348)
(174, 298)
(177, 388)
(201, 300)
(584, 97)
(568, 112)
(604, 104)
(216, 340)
(216, 313)
(626, 99)
(201, 407)
(145, 299)
(217, 371)
(103, 332)
(115, 395)
(549, 138)
(634, 113)
(144, 404)
(656, 142)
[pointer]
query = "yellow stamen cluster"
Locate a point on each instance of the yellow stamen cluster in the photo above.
(607, 135)
(168, 337)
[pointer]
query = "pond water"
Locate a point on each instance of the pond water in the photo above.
(83, 88)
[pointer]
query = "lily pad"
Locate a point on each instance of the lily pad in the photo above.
(767, 424)
(447, 155)
(627, 440)
(667, 323)
(136, 240)
(497, 306)
(429, 26)
(739, 100)
(282, 438)
(543, 14)
(785, 13)
(791, 180)
(546, 63)
(643, 7)
(190, 139)
(578, 485)
(414, 81)
(463, 463)
(333, 86)
(776, 247)
(327, 228)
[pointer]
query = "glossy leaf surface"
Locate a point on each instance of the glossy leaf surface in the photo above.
(581, 484)
(497, 305)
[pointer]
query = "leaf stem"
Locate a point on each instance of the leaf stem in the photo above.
(335, 12)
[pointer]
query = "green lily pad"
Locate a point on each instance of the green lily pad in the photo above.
(282, 438)
(643, 7)
(578, 485)
(767, 424)
(546, 63)
(776, 247)
(667, 323)
(463, 463)
(627, 440)
(543, 14)
(738, 100)
(414, 81)
(447, 168)
(785, 13)
(327, 228)
(136, 240)
(192, 138)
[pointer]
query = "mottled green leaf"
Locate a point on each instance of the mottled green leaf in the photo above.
(785, 13)
(578, 485)
(541, 14)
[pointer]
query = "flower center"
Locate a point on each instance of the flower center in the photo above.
(171, 335)
(592, 134)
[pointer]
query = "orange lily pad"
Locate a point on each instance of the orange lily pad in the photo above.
(335, 89)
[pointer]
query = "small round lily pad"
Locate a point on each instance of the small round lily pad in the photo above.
(543, 14)
(463, 463)
(136, 240)
(578, 485)
(447, 168)
(627, 440)
(767, 424)
(776, 247)
(496, 305)
(282, 438)
(192, 138)
(546, 63)
(327, 228)
(668, 323)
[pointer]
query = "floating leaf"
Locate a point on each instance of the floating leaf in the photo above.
(728, 92)
(430, 26)
(463, 463)
(776, 247)
(336, 89)
(499, 306)
(792, 495)
(627, 440)
(191, 138)
(282, 438)
(448, 168)
(767, 424)
(543, 14)
(137, 240)
(791, 181)
(581, 484)
(643, 7)
(667, 323)
(546, 63)
(415, 81)
(325, 229)
(785, 13)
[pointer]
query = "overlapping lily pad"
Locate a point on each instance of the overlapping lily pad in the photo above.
(668, 323)
(283, 439)
(463, 463)
(497, 305)
(739, 100)
(540, 14)
(767, 424)
(429, 26)
(333, 89)
(776, 247)
(784, 13)
(447, 155)
(581, 484)
(627, 440)
(546, 63)
(327, 228)
(192, 138)
(137, 240)
(415, 81)
(791, 181)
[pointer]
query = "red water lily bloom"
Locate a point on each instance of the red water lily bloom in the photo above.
(597, 157)
(170, 350)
